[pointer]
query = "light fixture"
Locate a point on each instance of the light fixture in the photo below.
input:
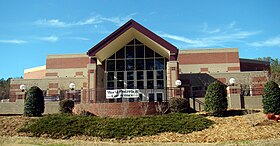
(178, 83)
(232, 81)
(72, 86)
(22, 87)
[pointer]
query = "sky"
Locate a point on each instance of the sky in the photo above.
(32, 29)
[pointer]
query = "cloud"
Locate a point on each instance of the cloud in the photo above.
(59, 23)
(78, 38)
(52, 22)
(213, 37)
(49, 39)
(13, 41)
(206, 29)
(219, 39)
(97, 19)
(119, 21)
(271, 42)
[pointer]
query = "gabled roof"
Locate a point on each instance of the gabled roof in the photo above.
(133, 24)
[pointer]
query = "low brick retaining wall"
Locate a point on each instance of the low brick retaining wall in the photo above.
(122, 109)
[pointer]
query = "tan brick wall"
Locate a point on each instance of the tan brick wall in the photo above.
(39, 74)
(209, 58)
(212, 68)
(63, 63)
(69, 72)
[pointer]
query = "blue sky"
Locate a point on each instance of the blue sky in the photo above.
(31, 29)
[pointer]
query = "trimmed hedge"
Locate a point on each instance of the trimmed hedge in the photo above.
(271, 98)
(34, 103)
(178, 105)
(216, 99)
(65, 125)
(66, 106)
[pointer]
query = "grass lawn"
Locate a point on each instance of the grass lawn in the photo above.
(65, 125)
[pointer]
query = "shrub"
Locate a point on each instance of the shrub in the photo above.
(271, 98)
(216, 99)
(178, 105)
(66, 125)
(34, 103)
(66, 106)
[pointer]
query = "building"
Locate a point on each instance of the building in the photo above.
(135, 67)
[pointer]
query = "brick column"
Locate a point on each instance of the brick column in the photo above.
(172, 76)
(91, 81)
(233, 95)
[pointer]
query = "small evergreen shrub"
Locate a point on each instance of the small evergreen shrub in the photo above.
(66, 125)
(271, 98)
(66, 106)
(34, 103)
(216, 99)
(178, 105)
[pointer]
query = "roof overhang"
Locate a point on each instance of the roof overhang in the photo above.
(124, 35)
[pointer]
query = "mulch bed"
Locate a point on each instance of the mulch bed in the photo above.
(234, 128)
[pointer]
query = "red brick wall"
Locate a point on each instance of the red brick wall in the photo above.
(40, 74)
(53, 85)
(51, 74)
(250, 66)
(204, 69)
(122, 109)
(260, 79)
(209, 58)
(79, 73)
(223, 80)
(234, 68)
(61, 63)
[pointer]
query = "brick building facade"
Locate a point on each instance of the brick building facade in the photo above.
(135, 66)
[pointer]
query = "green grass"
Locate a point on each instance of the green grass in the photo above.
(65, 125)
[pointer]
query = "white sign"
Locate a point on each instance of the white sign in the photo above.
(122, 93)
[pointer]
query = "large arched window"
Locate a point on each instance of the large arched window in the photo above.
(135, 66)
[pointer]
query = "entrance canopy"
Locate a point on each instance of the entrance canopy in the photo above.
(124, 35)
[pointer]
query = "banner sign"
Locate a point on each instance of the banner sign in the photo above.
(122, 93)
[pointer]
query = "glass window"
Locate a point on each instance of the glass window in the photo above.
(110, 65)
(151, 97)
(120, 84)
(139, 51)
(160, 74)
(130, 84)
(120, 76)
(140, 75)
(150, 84)
(131, 99)
(160, 84)
(131, 42)
(150, 74)
(139, 64)
(149, 52)
(129, 51)
(157, 55)
(120, 53)
(130, 64)
(110, 85)
(119, 99)
(137, 42)
(159, 97)
(130, 75)
(112, 57)
(120, 65)
(149, 64)
(159, 63)
(140, 84)
(110, 76)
